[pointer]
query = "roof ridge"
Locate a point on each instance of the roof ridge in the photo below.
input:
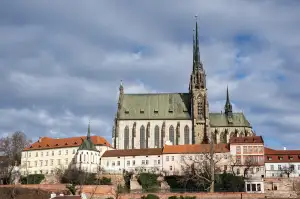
(162, 93)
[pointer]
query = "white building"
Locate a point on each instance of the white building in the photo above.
(282, 163)
(48, 154)
(135, 160)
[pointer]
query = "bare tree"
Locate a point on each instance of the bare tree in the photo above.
(287, 170)
(202, 168)
(13, 146)
(249, 164)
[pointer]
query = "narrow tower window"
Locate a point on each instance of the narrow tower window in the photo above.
(171, 134)
(186, 135)
(142, 137)
(156, 137)
(126, 137)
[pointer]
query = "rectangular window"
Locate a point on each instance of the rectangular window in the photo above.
(66, 161)
(272, 167)
(118, 163)
(182, 158)
(238, 150)
(248, 187)
(245, 149)
(172, 158)
(29, 154)
(41, 154)
(58, 161)
(279, 167)
(253, 187)
(258, 187)
(35, 163)
(158, 161)
(113, 164)
(47, 153)
(36, 154)
(128, 163)
(167, 158)
(52, 153)
(249, 149)
(171, 168)
(155, 161)
(238, 159)
(46, 162)
(107, 163)
(73, 151)
(59, 152)
(133, 162)
(66, 152)
(143, 162)
(147, 162)
(255, 149)
(51, 162)
(298, 166)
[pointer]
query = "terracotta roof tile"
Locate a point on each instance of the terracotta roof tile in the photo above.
(49, 143)
(251, 139)
(194, 148)
(132, 152)
(276, 156)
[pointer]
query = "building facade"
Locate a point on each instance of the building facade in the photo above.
(149, 120)
(282, 163)
(48, 154)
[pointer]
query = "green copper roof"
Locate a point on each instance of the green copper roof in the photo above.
(87, 144)
(220, 120)
(170, 106)
(155, 106)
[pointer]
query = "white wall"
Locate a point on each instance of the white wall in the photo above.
(88, 161)
(273, 170)
(153, 123)
(50, 159)
(131, 163)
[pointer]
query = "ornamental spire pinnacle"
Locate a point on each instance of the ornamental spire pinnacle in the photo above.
(228, 106)
(88, 137)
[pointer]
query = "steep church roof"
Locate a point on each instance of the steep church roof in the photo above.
(166, 106)
(88, 144)
(221, 120)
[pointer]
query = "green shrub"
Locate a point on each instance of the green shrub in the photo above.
(32, 179)
(148, 181)
(150, 196)
(173, 197)
(109, 198)
(105, 181)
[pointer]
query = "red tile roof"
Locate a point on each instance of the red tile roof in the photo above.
(49, 143)
(132, 152)
(251, 139)
(194, 148)
(276, 156)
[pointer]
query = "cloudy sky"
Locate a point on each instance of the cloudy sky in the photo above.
(61, 62)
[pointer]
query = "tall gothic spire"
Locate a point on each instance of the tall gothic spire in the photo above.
(197, 65)
(228, 106)
(88, 137)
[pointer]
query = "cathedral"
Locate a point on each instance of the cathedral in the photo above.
(150, 120)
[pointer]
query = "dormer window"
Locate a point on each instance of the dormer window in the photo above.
(66, 143)
(40, 146)
(126, 111)
(156, 110)
(269, 158)
(170, 110)
(291, 157)
(56, 145)
(142, 111)
(75, 142)
(280, 157)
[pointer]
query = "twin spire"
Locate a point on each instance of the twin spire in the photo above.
(228, 106)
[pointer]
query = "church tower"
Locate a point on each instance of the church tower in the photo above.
(198, 93)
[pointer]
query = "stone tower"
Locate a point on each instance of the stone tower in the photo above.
(198, 93)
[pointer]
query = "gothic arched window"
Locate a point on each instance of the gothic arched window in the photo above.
(171, 134)
(186, 135)
(142, 137)
(126, 137)
(156, 137)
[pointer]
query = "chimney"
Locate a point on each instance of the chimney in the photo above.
(284, 148)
